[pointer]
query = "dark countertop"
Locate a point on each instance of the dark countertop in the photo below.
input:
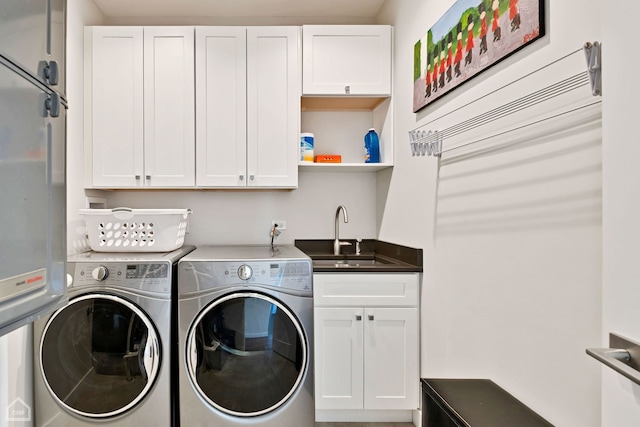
(375, 257)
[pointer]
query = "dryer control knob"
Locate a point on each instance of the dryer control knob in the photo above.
(245, 272)
(100, 273)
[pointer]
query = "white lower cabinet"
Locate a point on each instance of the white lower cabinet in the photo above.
(366, 342)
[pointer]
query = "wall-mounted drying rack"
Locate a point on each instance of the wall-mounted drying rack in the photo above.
(424, 140)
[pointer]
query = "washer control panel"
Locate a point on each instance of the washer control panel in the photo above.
(148, 276)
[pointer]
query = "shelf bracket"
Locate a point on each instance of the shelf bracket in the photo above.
(593, 55)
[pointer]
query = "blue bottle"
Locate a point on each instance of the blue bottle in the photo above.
(372, 147)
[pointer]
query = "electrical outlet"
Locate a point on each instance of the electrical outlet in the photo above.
(282, 225)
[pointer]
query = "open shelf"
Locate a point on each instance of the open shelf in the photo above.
(340, 103)
(343, 167)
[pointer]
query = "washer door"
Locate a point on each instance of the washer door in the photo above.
(246, 354)
(100, 355)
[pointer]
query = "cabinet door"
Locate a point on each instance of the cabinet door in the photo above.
(169, 112)
(338, 358)
(346, 59)
(114, 68)
(391, 374)
(273, 107)
(221, 106)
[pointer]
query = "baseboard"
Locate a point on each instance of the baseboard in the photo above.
(391, 416)
(417, 418)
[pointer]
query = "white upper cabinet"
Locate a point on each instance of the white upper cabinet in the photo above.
(346, 60)
(140, 107)
(273, 114)
(114, 106)
(169, 123)
(247, 106)
(347, 86)
(221, 106)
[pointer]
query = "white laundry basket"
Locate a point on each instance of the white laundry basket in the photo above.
(136, 230)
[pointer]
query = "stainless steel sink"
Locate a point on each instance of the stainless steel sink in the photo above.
(373, 257)
(348, 263)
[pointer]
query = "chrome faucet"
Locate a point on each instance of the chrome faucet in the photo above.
(336, 241)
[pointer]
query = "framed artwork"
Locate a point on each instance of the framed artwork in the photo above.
(468, 39)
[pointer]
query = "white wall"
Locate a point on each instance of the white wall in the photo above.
(621, 197)
(512, 235)
(244, 217)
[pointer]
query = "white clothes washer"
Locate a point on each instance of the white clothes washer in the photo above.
(245, 319)
(105, 358)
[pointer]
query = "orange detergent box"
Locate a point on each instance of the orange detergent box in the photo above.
(328, 158)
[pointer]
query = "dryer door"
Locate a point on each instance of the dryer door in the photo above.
(246, 354)
(100, 355)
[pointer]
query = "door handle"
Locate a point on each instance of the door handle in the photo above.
(52, 72)
(52, 104)
(150, 358)
(358, 317)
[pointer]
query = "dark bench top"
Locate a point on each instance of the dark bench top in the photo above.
(481, 403)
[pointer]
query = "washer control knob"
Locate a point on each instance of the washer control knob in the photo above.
(245, 272)
(100, 273)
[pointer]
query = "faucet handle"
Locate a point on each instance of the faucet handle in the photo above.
(337, 244)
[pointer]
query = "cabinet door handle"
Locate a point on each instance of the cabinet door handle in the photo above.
(371, 317)
(347, 89)
(148, 176)
(137, 176)
(252, 177)
(358, 317)
(241, 177)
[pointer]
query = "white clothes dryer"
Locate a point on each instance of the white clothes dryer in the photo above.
(105, 358)
(245, 319)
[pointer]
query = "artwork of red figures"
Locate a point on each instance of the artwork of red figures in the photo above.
(470, 37)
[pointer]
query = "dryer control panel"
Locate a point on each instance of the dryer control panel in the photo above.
(295, 275)
(291, 275)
